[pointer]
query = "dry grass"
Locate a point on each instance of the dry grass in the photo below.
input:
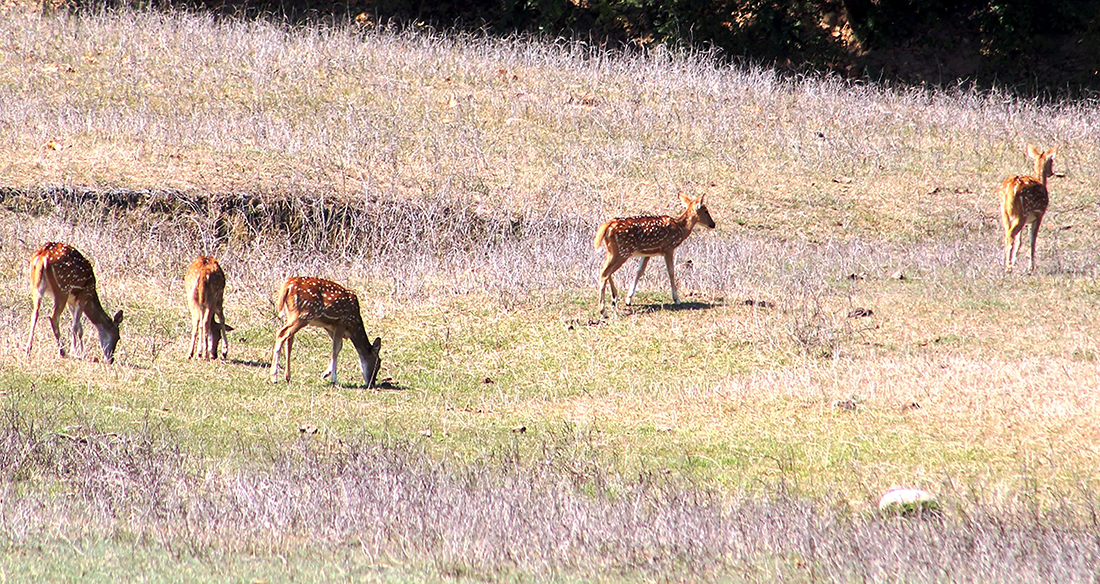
(456, 182)
(558, 515)
(133, 100)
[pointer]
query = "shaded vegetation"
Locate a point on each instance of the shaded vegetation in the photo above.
(1031, 46)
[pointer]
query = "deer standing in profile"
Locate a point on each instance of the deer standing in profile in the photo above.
(647, 236)
(1024, 200)
(67, 275)
(204, 287)
(313, 301)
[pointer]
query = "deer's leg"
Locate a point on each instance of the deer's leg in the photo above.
(37, 303)
(225, 332)
(285, 337)
(337, 344)
(208, 324)
(641, 270)
(1016, 233)
(605, 277)
(55, 323)
(78, 328)
(1034, 237)
(195, 323)
(1006, 220)
(1012, 243)
(672, 276)
(610, 266)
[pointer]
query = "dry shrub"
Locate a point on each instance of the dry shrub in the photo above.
(558, 514)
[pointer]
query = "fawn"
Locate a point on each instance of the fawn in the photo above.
(67, 275)
(313, 301)
(205, 290)
(647, 236)
(1024, 200)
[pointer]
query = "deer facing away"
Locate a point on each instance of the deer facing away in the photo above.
(67, 275)
(647, 236)
(204, 287)
(1024, 201)
(313, 301)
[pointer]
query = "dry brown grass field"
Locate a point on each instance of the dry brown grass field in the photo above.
(847, 327)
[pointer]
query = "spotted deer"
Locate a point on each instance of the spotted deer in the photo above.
(313, 301)
(647, 236)
(1024, 201)
(204, 286)
(67, 275)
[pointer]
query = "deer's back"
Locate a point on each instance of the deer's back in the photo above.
(323, 303)
(644, 235)
(67, 269)
(1024, 197)
(205, 282)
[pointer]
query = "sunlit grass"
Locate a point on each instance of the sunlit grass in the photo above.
(847, 327)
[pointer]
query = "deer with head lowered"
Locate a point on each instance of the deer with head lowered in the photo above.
(67, 275)
(647, 236)
(204, 287)
(1024, 201)
(313, 301)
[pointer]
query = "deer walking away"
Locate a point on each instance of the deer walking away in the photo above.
(1024, 201)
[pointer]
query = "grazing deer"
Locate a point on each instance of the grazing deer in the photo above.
(313, 301)
(205, 289)
(1024, 200)
(647, 236)
(62, 271)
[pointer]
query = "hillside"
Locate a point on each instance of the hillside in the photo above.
(848, 325)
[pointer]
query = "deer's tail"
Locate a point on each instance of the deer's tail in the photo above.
(280, 302)
(38, 269)
(600, 234)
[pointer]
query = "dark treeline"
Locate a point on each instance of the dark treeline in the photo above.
(1035, 47)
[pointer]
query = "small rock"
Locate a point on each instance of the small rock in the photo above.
(426, 432)
(899, 275)
(519, 429)
(307, 429)
(860, 313)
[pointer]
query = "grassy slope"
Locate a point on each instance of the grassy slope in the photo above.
(962, 377)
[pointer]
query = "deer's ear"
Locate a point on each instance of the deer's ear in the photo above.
(1050, 153)
(118, 318)
(685, 199)
(1032, 151)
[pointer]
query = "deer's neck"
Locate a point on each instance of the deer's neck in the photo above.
(359, 339)
(94, 310)
(685, 223)
(1040, 172)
